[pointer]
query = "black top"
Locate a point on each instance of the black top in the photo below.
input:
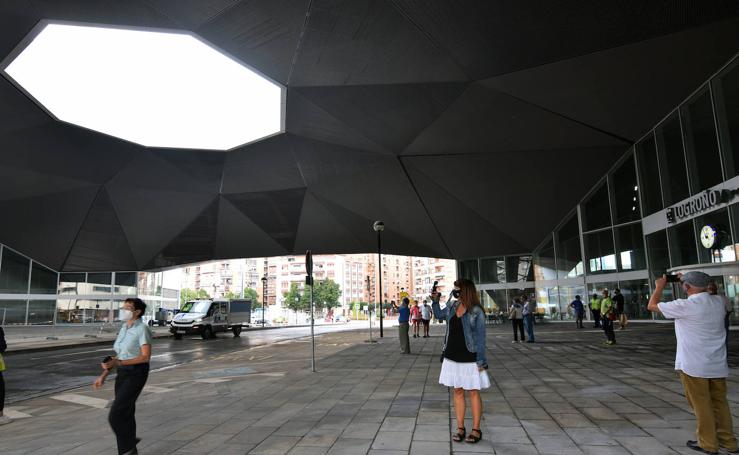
(456, 348)
(3, 345)
(619, 299)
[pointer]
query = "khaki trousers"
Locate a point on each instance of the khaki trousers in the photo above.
(707, 397)
(405, 343)
(623, 321)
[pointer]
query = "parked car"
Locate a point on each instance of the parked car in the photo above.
(341, 318)
(207, 317)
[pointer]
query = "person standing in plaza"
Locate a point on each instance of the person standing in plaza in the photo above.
(713, 290)
(700, 358)
(133, 352)
(426, 317)
(464, 363)
(595, 308)
(618, 300)
(3, 346)
(579, 309)
(515, 314)
(529, 311)
(415, 318)
(404, 314)
(607, 316)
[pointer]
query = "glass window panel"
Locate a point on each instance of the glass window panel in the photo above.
(99, 283)
(150, 283)
(495, 301)
(636, 296)
(723, 250)
(125, 283)
(726, 97)
(626, 193)
(14, 273)
(672, 161)
(519, 268)
(630, 244)
(683, 247)
(12, 311)
(71, 283)
(596, 212)
(569, 254)
(646, 158)
(599, 252)
(567, 295)
(469, 269)
(83, 311)
(43, 280)
(492, 270)
(659, 259)
(41, 311)
(731, 286)
(547, 302)
(701, 144)
(544, 265)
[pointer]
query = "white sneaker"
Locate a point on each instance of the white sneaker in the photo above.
(5, 419)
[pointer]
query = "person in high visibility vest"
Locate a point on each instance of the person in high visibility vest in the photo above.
(595, 308)
(608, 315)
(3, 418)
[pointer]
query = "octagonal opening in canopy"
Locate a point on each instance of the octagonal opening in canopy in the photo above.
(157, 88)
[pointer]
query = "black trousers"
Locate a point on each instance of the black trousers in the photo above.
(128, 385)
(578, 319)
(518, 324)
(608, 329)
(2, 392)
(596, 318)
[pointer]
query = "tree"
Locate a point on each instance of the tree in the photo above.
(188, 294)
(326, 294)
(296, 301)
(249, 293)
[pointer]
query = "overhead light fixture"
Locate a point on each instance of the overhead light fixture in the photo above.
(157, 88)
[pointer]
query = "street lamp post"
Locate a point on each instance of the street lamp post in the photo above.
(379, 226)
(264, 296)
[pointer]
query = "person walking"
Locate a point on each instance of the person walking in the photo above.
(426, 317)
(3, 347)
(133, 352)
(608, 315)
(595, 308)
(579, 309)
(515, 314)
(700, 358)
(415, 318)
(464, 363)
(713, 290)
(529, 311)
(618, 300)
(404, 314)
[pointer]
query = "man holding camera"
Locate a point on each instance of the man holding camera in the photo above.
(700, 358)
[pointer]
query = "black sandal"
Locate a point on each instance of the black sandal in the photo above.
(459, 437)
(472, 439)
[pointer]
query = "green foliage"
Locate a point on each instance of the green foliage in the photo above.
(326, 294)
(249, 293)
(295, 300)
(188, 294)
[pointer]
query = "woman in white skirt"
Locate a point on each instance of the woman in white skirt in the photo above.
(463, 362)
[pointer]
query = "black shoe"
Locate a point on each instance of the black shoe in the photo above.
(694, 445)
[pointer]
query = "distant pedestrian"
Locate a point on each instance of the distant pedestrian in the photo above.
(133, 352)
(618, 300)
(404, 314)
(426, 317)
(515, 314)
(713, 290)
(3, 346)
(463, 360)
(579, 309)
(529, 311)
(415, 318)
(701, 359)
(608, 315)
(595, 309)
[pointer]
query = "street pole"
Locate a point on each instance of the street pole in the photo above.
(312, 339)
(264, 295)
(379, 226)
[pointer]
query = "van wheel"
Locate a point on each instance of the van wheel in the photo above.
(177, 336)
(236, 330)
(207, 332)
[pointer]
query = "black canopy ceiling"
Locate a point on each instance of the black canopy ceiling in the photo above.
(469, 127)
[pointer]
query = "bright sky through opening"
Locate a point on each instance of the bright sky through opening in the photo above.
(157, 89)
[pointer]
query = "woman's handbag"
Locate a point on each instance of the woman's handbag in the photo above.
(611, 316)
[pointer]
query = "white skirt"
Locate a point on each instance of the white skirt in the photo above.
(463, 375)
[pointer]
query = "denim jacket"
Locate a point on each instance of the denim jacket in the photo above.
(473, 325)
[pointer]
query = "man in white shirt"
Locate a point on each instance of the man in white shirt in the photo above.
(701, 359)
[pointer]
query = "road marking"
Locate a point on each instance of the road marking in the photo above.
(13, 414)
(83, 400)
(212, 380)
(155, 389)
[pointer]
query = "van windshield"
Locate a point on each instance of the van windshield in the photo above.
(195, 307)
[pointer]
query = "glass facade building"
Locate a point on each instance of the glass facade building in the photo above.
(669, 204)
(33, 294)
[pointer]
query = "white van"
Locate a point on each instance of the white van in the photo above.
(207, 317)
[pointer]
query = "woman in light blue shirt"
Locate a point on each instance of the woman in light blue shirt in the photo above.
(133, 352)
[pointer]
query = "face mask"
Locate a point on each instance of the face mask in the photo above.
(125, 315)
(455, 293)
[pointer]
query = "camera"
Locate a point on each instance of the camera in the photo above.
(672, 278)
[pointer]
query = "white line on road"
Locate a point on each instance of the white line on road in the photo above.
(83, 399)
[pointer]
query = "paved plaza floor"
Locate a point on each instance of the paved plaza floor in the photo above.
(565, 394)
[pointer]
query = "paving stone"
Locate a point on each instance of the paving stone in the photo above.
(515, 449)
(350, 447)
(361, 430)
(321, 437)
(645, 446)
(275, 445)
(395, 424)
(392, 440)
(433, 433)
